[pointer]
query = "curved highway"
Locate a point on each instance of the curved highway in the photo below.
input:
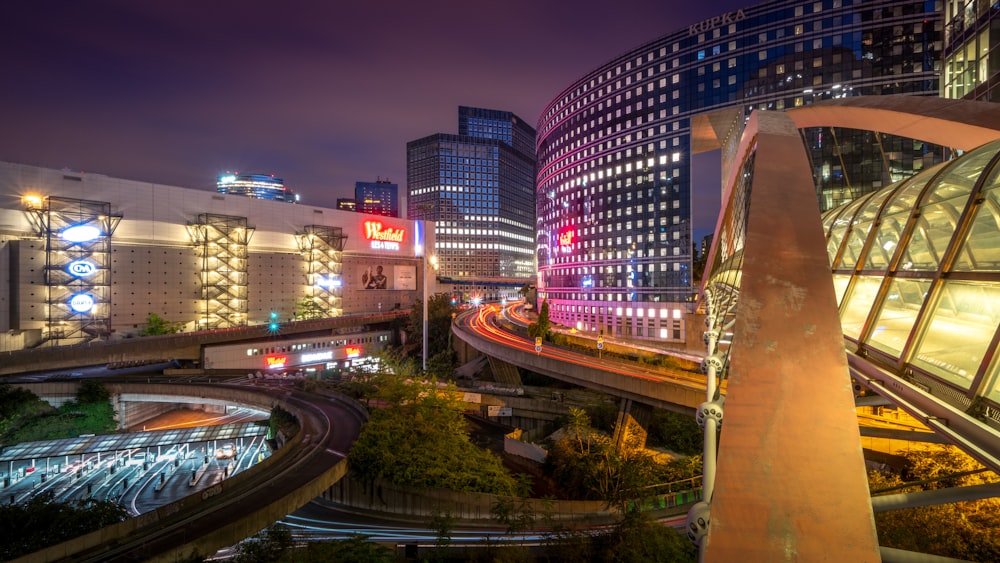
(672, 389)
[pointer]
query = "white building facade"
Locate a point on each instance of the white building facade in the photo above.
(88, 257)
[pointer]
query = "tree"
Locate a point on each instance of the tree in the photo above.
(282, 421)
(353, 549)
(418, 439)
(636, 539)
(18, 407)
(266, 546)
(155, 326)
(587, 464)
(439, 316)
(92, 392)
(307, 309)
(543, 326)
(963, 530)
(676, 432)
(43, 521)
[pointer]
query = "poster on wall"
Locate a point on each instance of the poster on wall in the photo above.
(406, 277)
(374, 278)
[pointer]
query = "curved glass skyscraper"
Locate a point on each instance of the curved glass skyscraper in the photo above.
(613, 181)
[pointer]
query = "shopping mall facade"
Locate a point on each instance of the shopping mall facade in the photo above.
(614, 178)
(88, 257)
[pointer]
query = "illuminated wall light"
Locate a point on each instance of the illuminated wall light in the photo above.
(80, 233)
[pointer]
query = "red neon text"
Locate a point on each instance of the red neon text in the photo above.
(375, 231)
(566, 238)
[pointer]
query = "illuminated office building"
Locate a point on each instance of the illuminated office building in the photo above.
(971, 63)
(377, 198)
(477, 186)
(260, 186)
(614, 184)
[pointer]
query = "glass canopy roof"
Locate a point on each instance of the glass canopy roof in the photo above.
(916, 268)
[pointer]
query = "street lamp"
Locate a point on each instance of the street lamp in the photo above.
(431, 261)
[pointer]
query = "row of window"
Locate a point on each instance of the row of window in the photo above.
(321, 345)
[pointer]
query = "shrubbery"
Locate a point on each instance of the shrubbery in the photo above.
(26, 418)
(417, 438)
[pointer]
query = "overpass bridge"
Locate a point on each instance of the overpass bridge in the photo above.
(182, 346)
(204, 522)
(906, 277)
(674, 390)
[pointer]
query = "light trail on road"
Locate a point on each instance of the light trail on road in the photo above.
(482, 323)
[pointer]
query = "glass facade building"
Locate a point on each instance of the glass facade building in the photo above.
(259, 186)
(613, 181)
(478, 187)
(971, 63)
(377, 198)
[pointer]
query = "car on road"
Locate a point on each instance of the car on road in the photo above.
(227, 451)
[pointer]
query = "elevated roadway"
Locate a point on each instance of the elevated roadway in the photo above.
(239, 507)
(183, 346)
(675, 390)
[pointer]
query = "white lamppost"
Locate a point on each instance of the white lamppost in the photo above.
(431, 261)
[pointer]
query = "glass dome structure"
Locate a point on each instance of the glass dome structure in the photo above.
(916, 268)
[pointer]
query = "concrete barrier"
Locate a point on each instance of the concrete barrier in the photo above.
(468, 508)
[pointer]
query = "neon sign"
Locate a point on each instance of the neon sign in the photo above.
(353, 351)
(328, 282)
(317, 357)
(276, 362)
(81, 268)
(80, 233)
(383, 238)
(81, 302)
(566, 238)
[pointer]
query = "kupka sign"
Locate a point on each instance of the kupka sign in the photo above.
(382, 237)
(712, 23)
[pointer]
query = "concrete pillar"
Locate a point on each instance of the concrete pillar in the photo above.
(121, 411)
(504, 373)
(632, 425)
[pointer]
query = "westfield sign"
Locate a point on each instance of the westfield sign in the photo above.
(382, 237)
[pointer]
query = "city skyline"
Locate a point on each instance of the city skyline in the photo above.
(322, 96)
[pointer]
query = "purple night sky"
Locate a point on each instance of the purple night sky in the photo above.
(322, 94)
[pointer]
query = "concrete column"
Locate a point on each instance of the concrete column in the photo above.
(632, 425)
(504, 373)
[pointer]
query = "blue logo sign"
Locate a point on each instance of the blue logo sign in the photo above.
(81, 302)
(81, 268)
(80, 233)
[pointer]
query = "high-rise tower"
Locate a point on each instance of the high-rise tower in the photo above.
(478, 186)
(614, 180)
